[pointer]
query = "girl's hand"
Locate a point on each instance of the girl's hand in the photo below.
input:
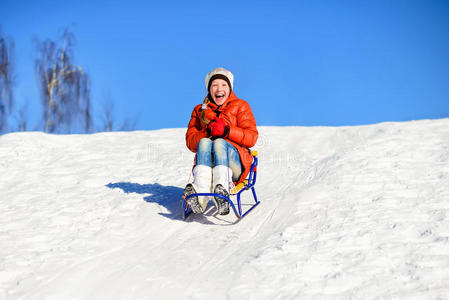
(217, 128)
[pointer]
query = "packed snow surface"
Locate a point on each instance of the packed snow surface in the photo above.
(346, 212)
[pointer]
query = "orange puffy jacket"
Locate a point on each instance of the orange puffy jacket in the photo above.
(236, 113)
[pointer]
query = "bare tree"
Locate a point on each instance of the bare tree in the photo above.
(128, 125)
(64, 86)
(108, 115)
(22, 119)
(6, 80)
(109, 118)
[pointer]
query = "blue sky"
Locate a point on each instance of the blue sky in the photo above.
(306, 63)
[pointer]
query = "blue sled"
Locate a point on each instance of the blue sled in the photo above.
(237, 190)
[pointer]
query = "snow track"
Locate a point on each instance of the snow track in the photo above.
(345, 212)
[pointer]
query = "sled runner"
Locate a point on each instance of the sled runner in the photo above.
(233, 193)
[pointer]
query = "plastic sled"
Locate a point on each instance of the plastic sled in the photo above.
(235, 192)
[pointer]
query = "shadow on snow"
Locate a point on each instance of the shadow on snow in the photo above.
(166, 196)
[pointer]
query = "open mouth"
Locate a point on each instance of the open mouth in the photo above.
(219, 96)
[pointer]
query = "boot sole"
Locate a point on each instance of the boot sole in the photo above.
(193, 202)
(222, 204)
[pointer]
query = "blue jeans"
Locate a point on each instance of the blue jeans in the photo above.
(219, 153)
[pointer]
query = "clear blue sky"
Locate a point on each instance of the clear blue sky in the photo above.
(301, 63)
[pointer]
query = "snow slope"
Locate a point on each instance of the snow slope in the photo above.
(349, 212)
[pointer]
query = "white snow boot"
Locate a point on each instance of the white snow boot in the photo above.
(221, 177)
(202, 178)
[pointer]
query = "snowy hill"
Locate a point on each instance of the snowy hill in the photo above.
(358, 212)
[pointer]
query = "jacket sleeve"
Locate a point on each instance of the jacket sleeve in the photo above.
(195, 132)
(245, 131)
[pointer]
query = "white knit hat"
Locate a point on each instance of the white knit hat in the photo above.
(220, 71)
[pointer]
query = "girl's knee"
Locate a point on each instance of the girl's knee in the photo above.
(205, 141)
(220, 144)
(204, 145)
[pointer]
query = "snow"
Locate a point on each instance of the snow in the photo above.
(346, 212)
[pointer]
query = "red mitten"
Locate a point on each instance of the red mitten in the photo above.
(217, 127)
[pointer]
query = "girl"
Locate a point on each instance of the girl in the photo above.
(220, 132)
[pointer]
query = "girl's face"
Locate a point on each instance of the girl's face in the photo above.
(219, 90)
